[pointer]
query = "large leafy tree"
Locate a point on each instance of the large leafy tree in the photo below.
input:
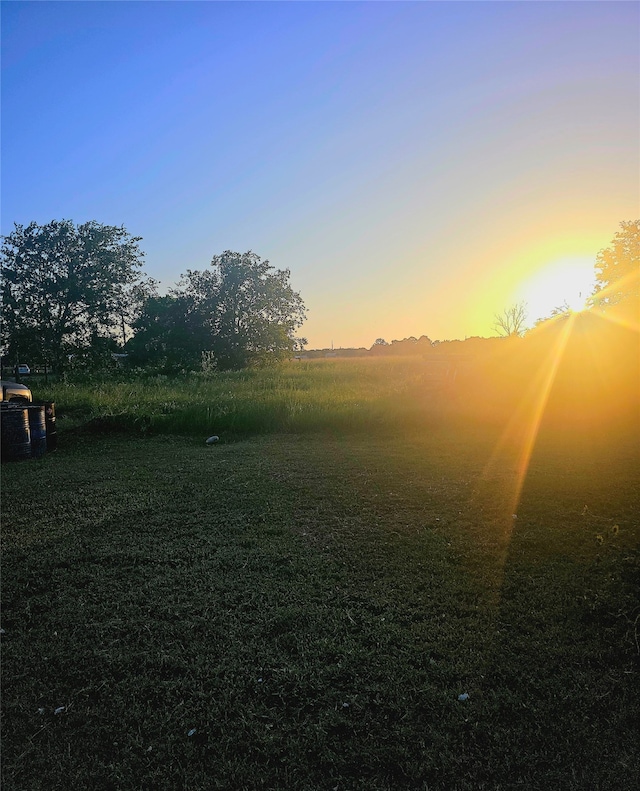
(618, 270)
(249, 308)
(64, 286)
(240, 312)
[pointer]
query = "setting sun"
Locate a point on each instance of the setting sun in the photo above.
(566, 282)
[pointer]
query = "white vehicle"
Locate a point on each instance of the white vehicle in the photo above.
(23, 370)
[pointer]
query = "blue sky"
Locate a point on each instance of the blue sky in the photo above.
(417, 166)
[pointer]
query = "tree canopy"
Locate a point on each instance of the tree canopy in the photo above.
(65, 286)
(241, 311)
(618, 270)
(168, 334)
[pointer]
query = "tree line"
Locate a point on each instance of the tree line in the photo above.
(79, 293)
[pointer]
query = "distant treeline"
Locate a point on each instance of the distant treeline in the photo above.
(410, 347)
(577, 369)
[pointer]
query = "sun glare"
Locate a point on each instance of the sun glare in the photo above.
(579, 302)
(564, 283)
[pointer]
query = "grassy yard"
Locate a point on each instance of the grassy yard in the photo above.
(304, 610)
(295, 397)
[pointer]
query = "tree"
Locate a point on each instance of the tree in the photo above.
(168, 334)
(249, 308)
(64, 285)
(618, 270)
(512, 321)
(559, 313)
(379, 347)
(131, 304)
(241, 311)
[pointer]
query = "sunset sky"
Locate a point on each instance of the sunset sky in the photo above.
(417, 166)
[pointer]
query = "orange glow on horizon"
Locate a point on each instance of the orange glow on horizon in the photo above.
(548, 274)
(564, 283)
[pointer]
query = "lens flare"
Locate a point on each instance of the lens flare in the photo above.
(625, 312)
(563, 284)
(522, 430)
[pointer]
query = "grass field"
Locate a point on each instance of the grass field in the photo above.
(302, 396)
(301, 607)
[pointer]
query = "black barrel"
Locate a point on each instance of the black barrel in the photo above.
(50, 418)
(38, 429)
(16, 437)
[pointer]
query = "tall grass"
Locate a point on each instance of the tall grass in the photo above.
(292, 397)
(581, 375)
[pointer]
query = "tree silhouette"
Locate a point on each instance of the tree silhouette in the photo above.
(512, 321)
(64, 285)
(239, 312)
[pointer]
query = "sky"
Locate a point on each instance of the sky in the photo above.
(417, 166)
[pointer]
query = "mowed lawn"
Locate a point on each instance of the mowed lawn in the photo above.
(322, 611)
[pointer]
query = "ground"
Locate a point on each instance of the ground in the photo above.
(306, 611)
